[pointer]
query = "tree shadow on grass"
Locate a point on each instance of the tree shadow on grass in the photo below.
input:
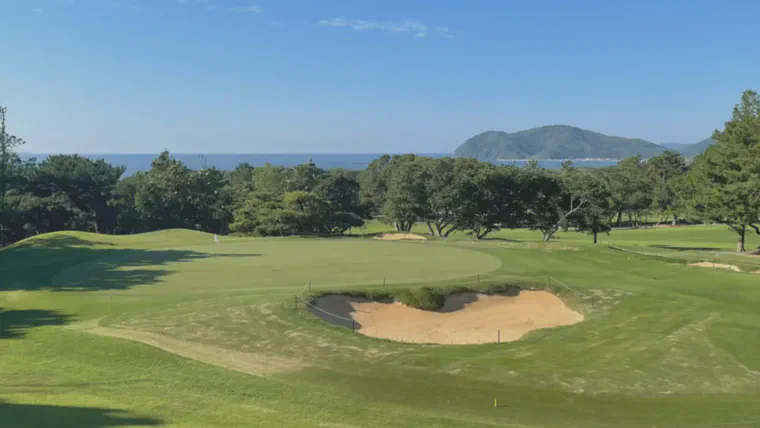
(499, 239)
(14, 323)
(43, 416)
(92, 265)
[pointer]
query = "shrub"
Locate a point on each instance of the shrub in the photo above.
(425, 298)
(428, 299)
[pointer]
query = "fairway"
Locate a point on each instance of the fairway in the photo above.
(171, 329)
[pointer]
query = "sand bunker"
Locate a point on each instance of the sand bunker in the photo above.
(400, 237)
(716, 266)
(466, 318)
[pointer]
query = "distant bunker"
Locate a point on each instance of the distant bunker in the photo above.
(466, 318)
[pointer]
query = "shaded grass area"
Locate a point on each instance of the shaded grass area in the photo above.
(35, 415)
(663, 344)
(15, 323)
(108, 266)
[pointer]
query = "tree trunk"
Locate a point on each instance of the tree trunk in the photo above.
(595, 238)
(619, 217)
(430, 227)
(740, 244)
(439, 229)
(675, 219)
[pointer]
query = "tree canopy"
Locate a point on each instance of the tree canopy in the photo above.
(726, 177)
(448, 195)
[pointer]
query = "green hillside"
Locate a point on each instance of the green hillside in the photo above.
(691, 150)
(553, 142)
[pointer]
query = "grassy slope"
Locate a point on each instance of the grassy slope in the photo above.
(664, 344)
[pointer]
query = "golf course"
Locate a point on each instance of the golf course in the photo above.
(172, 329)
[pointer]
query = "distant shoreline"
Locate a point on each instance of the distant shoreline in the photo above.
(228, 162)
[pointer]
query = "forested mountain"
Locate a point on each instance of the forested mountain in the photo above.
(554, 142)
(691, 150)
(676, 147)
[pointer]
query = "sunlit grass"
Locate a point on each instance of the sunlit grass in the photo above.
(664, 344)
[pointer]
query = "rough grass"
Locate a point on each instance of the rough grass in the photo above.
(425, 298)
(662, 345)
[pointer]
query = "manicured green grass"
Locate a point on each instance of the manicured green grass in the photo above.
(663, 344)
(712, 237)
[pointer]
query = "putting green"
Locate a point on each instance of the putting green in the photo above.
(239, 264)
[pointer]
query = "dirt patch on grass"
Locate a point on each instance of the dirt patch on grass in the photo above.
(400, 237)
(733, 268)
(466, 318)
(250, 363)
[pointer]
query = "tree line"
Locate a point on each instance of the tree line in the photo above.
(71, 192)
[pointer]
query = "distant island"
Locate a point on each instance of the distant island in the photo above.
(559, 142)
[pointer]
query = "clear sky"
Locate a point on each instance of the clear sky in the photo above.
(311, 76)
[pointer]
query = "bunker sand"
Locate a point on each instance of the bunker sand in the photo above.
(716, 266)
(466, 318)
(400, 237)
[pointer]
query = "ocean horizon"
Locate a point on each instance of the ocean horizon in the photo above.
(229, 161)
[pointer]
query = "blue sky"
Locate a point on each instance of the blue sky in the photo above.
(278, 76)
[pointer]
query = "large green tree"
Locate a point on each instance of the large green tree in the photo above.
(9, 161)
(8, 156)
(339, 192)
(406, 194)
(304, 177)
(495, 202)
(557, 200)
(666, 175)
(726, 177)
(265, 214)
(451, 188)
(630, 189)
(89, 185)
(171, 195)
(240, 183)
(594, 217)
(373, 185)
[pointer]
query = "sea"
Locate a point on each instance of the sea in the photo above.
(226, 162)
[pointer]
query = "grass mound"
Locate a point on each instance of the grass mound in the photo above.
(428, 299)
(425, 298)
